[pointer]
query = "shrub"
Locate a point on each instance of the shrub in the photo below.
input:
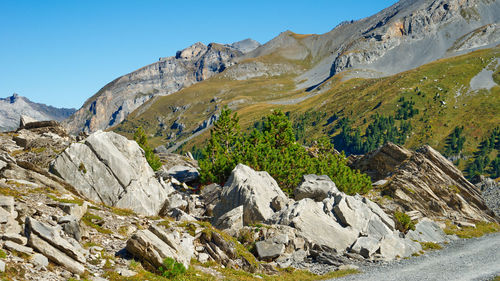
(403, 222)
(273, 148)
(171, 268)
(142, 140)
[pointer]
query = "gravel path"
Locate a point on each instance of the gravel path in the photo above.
(464, 259)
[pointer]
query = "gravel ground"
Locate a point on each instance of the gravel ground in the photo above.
(464, 259)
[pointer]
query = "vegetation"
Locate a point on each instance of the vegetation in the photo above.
(274, 149)
(481, 229)
(455, 142)
(171, 268)
(403, 222)
(3, 255)
(94, 221)
(486, 159)
(430, 246)
(142, 140)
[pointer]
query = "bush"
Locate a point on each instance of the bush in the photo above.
(403, 222)
(171, 268)
(142, 140)
(272, 148)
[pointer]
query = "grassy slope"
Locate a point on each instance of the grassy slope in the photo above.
(440, 81)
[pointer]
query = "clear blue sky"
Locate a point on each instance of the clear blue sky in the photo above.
(62, 52)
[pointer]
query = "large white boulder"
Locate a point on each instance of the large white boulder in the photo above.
(252, 190)
(111, 169)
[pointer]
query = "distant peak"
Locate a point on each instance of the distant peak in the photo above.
(245, 45)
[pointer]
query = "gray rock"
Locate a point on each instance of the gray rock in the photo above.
(268, 250)
(72, 228)
(126, 272)
(203, 257)
(55, 255)
(365, 246)
(278, 203)
(175, 200)
(74, 209)
(9, 245)
(51, 236)
(111, 169)
(15, 237)
(2, 266)
(184, 173)
(250, 189)
(231, 221)
(7, 203)
(306, 216)
(39, 261)
(427, 231)
(315, 187)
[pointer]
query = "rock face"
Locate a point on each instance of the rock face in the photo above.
(424, 181)
(116, 100)
(108, 168)
(250, 189)
(15, 106)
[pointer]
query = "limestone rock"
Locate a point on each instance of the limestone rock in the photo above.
(2, 266)
(231, 221)
(427, 231)
(424, 181)
(110, 169)
(39, 261)
(74, 209)
(315, 187)
(250, 189)
(9, 245)
(268, 250)
(365, 246)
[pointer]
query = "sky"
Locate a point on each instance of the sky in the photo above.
(62, 52)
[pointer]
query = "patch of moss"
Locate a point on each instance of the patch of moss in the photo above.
(89, 218)
(82, 168)
(122, 212)
(481, 229)
(77, 201)
(430, 246)
(3, 255)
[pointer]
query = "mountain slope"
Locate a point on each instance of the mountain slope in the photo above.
(116, 100)
(11, 109)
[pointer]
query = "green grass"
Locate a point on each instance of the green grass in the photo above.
(481, 229)
(77, 201)
(430, 246)
(88, 220)
(3, 255)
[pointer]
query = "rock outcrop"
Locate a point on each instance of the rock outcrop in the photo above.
(14, 107)
(250, 189)
(108, 168)
(424, 181)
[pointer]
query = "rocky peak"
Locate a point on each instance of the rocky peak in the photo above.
(244, 46)
(192, 52)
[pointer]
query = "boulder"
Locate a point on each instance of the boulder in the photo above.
(174, 200)
(315, 187)
(15, 237)
(427, 231)
(52, 237)
(250, 189)
(231, 221)
(392, 247)
(55, 255)
(365, 246)
(306, 215)
(268, 250)
(74, 210)
(111, 169)
(2, 266)
(24, 120)
(39, 261)
(425, 181)
(9, 245)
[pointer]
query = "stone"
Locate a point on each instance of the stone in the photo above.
(2, 266)
(427, 231)
(315, 187)
(72, 227)
(173, 201)
(145, 245)
(7, 203)
(268, 250)
(365, 246)
(348, 267)
(111, 169)
(9, 245)
(39, 261)
(278, 203)
(74, 209)
(126, 272)
(4, 216)
(250, 189)
(203, 257)
(231, 221)
(24, 120)
(306, 215)
(185, 174)
(16, 238)
(55, 255)
(51, 236)
(392, 247)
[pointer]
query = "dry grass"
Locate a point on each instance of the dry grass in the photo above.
(481, 229)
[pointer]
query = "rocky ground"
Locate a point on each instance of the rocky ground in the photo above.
(91, 207)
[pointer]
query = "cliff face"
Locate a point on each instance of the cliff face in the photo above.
(11, 109)
(117, 99)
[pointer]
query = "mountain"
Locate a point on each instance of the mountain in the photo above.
(116, 100)
(11, 109)
(437, 58)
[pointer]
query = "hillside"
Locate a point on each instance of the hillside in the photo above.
(11, 109)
